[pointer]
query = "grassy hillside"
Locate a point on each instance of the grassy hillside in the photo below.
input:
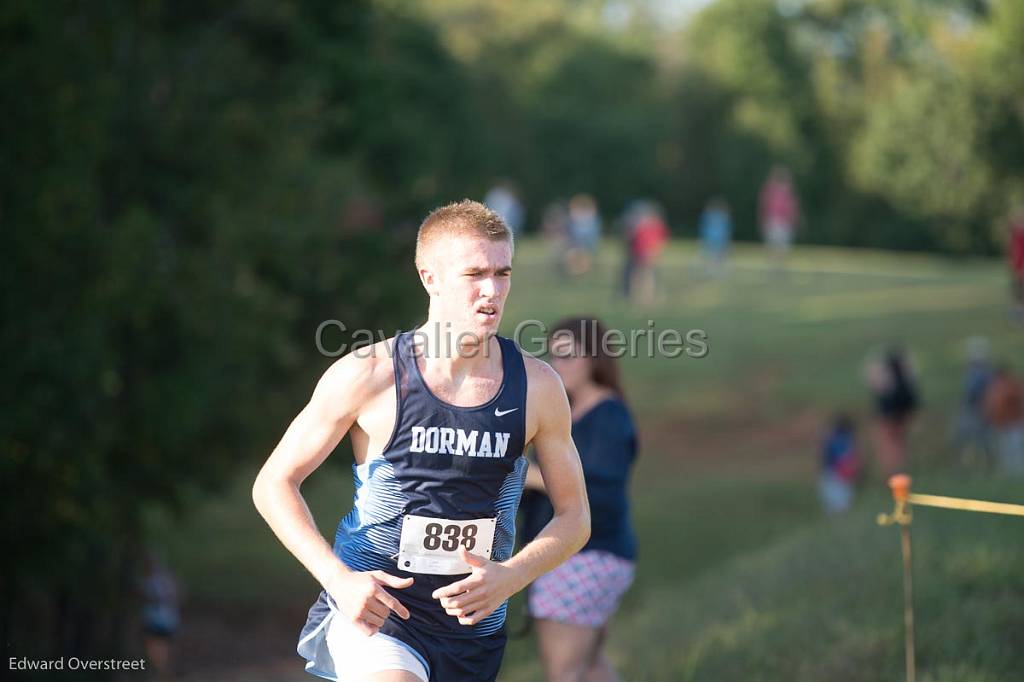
(740, 577)
(824, 603)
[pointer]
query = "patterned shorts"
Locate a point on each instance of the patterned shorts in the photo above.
(585, 590)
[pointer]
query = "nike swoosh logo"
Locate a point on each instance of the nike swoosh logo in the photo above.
(502, 413)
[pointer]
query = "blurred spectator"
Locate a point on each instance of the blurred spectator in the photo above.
(573, 604)
(840, 466)
(779, 213)
(504, 200)
(972, 435)
(161, 616)
(649, 238)
(555, 229)
(1016, 258)
(896, 401)
(715, 233)
(630, 217)
(584, 233)
(1004, 405)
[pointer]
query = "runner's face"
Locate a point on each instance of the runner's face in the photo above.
(475, 275)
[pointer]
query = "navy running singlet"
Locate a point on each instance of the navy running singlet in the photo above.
(442, 461)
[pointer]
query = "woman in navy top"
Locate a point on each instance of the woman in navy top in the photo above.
(572, 605)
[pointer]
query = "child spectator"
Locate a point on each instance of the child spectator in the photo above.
(840, 466)
(1004, 406)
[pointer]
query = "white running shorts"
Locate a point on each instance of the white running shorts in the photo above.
(356, 655)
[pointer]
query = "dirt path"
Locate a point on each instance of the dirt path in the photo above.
(751, 444)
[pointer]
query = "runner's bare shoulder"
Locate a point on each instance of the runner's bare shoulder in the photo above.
(541, 374)
(545, 394)
(358, 377)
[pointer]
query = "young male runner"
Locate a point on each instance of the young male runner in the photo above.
(416, 586)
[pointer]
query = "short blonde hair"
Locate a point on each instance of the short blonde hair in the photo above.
(463, 218)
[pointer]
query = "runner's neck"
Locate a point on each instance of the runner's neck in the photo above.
(453, 363)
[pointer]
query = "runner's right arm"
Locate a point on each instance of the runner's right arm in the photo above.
(310, 438)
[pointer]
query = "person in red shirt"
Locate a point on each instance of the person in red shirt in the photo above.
(1015, 254)
(779, 212)
(649, 238)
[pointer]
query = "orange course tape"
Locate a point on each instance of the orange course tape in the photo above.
(900, 485)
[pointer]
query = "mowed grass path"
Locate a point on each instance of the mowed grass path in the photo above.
(740, 577)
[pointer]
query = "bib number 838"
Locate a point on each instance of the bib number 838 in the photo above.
(453, 536)
(430, 544)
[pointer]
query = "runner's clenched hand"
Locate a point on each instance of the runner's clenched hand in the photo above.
(479, 594)
(362, 598)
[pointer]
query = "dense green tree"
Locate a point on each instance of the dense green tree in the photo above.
(175, 230)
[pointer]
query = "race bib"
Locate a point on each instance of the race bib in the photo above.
(430, 545)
